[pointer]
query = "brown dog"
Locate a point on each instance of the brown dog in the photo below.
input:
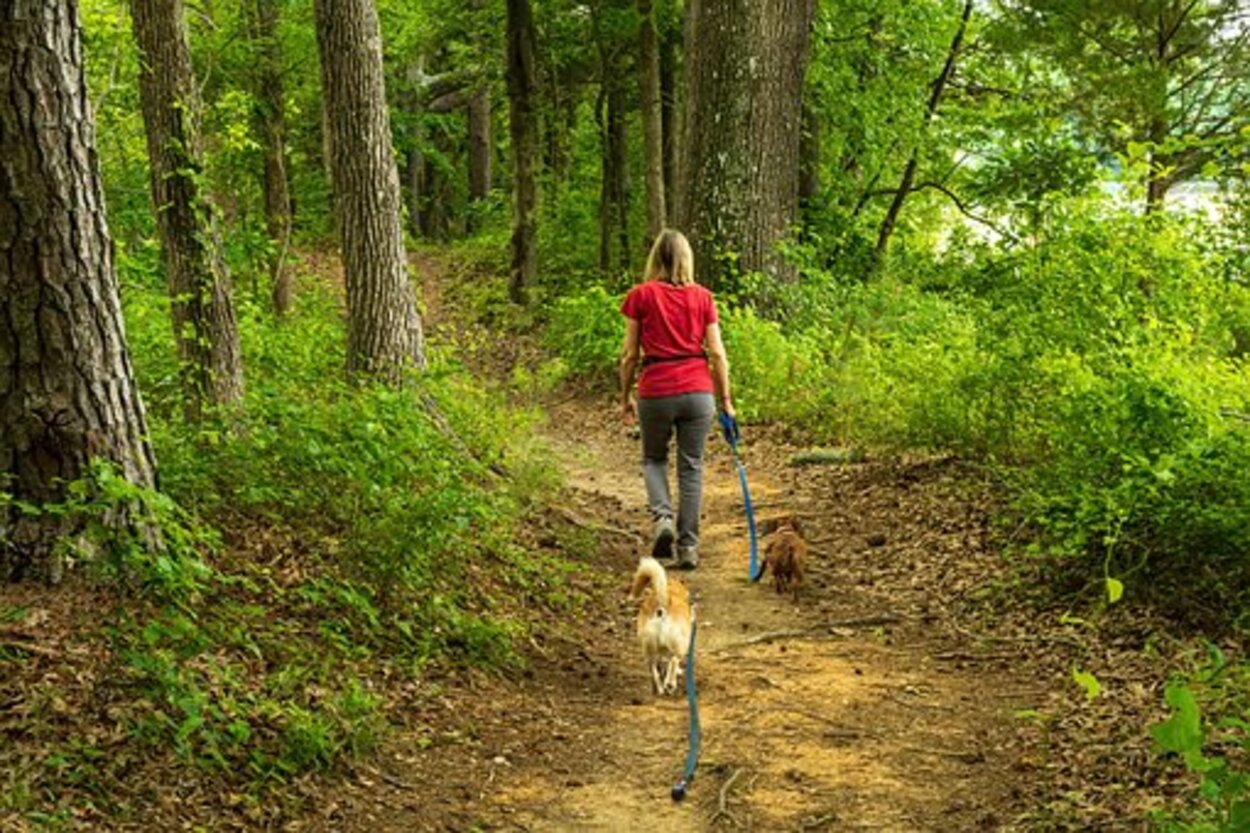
(786, 555)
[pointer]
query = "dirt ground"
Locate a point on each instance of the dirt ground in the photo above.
(855, 708)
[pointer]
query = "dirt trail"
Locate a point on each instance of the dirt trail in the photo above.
(863, 706)
(844, 727)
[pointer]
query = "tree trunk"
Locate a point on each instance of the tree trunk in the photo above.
(935, 98)
(614, 165)
(271, 119)
(199, 284)
(524, 130)
(412, 176)
(67, 391)
(618, 136)
(479, 143)
(668, 113)
(745, 63)
(652, 118)
(384, 336)
(1158, 177)
(607, 181)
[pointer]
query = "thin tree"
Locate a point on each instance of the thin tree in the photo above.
(384, 334)
(745, 67)
(931, 108)
(610, 113)
(199, 283)
(479, 143)
(652, 117)
(523, 125)
(67, 390)
(271, 123)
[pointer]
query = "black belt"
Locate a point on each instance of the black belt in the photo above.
(647, 361)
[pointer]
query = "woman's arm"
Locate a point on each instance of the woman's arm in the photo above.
(720, 367)
(629, 361)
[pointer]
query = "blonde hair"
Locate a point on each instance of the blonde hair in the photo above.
(671, 259)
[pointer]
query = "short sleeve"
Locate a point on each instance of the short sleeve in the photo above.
(631, 307)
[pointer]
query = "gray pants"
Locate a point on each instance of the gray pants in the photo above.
(691, 414)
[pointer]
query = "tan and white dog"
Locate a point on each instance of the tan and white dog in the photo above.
(664, 620)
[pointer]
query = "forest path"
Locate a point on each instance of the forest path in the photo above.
(865, 705)
(859, 721)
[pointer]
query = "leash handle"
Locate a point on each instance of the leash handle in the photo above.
(692, 700)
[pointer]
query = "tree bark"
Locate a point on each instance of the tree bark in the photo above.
(614, 161)
(271, 119)
(479, 143)
(1158, 179)
(384, 337)
(668, 113)
(199, 284)
(522, 92)
(738, 197)
(67, 390)
(935, 98)
(652, 118)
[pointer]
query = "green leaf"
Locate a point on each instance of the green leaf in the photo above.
(1239, 816)
(1088, 682)
(1182, 732)
(1115, 589)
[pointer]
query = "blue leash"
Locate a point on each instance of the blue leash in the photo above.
(729, 428)
(692, 753)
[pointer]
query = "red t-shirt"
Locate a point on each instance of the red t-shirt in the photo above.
(673, 320)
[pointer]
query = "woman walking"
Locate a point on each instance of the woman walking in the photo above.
(671, 325)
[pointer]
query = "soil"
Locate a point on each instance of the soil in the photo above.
(852, 708)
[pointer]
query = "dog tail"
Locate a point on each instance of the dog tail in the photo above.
(651, 572)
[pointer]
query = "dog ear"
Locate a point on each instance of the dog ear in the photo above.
(797, 525)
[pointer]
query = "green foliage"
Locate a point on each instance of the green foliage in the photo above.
(1209, 730)
(585, 331)
(314, 536)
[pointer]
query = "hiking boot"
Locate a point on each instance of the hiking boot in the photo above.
(687, 558)
(662, 545)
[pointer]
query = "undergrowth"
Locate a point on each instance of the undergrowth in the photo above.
(319, 543)
(1102, 375)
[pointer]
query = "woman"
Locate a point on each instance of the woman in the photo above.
(672, 321)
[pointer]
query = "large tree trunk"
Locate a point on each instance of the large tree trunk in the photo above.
(67, 391)
(479, 143)
(384, 336)
(524, 130)
(199, 284)
(271, 119)
(935, 98)
(652, 118)
(745, 63)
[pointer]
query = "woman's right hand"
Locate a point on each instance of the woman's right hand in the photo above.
(727, 406)
(629, 411)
